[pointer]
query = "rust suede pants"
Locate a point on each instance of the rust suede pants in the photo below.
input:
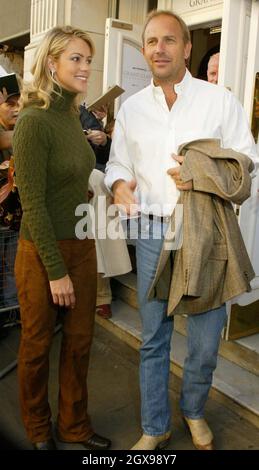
(38, 317)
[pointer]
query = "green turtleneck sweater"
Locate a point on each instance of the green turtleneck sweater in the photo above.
(53, 162)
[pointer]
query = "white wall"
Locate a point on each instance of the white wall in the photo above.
(91, 15)
(133, 11)
(14, 17)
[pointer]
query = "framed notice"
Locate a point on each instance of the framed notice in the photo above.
(135, 74)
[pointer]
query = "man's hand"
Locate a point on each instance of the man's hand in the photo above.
(175, 174)
(97, 137)
(62, 291)
(123, 193)
(100, 113)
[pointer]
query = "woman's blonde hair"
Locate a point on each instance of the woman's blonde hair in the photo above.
(38, 92)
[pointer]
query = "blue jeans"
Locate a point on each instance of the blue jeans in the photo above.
(203, 341)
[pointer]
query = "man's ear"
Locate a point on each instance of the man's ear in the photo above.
(187, 50)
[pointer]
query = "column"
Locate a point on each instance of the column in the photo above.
(45, 14)
(165, 5)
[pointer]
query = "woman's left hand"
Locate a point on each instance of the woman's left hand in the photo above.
(62, 291)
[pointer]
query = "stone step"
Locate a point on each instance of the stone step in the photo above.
(233, 386)
(125, 288)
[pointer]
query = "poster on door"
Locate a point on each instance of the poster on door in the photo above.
(135, 72)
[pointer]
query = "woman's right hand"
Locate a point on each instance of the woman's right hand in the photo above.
(62, 291)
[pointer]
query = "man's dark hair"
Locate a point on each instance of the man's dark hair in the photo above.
(157, 13)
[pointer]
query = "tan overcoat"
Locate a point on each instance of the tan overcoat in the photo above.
(112, 254)
(212, 265)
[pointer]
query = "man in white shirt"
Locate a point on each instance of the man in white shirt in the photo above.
(144, 169)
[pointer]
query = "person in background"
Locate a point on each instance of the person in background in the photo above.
(150, 127)
(213, 69)
(5, 135)
(55, 270)
(8, 116)
(10, 209)
(100, 141)
(92, 124)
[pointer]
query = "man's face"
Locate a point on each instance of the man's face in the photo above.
(9, 112)
(164, 49)
(212, 72)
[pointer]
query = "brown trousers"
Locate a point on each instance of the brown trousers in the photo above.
(38, 317)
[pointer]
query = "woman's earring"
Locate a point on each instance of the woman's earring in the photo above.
(52, 72)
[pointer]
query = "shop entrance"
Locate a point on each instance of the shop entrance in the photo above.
(205, 43)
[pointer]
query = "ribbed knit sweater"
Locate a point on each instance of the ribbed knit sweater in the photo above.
(53, 162)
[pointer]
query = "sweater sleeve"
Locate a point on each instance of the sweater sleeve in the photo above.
(31, 143)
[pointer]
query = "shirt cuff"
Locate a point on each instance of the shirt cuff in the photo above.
(115, 175)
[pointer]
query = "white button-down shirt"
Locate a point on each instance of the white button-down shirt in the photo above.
(147, 133)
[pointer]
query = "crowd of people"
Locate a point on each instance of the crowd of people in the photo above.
(179, 141)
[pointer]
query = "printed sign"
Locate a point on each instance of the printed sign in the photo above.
(185, 6)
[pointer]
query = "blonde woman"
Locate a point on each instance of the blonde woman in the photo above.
(53, 269)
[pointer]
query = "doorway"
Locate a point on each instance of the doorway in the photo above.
(205, 43)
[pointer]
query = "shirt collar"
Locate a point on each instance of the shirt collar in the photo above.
(180, 88)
